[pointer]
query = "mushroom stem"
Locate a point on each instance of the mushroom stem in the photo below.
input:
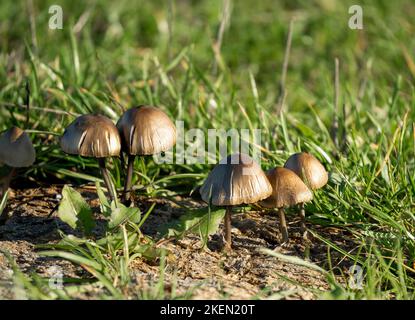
(128, 178)
(228, 226)
(303, 226)
(283, 225)
(107, 178)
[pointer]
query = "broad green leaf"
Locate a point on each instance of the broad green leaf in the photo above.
(74, 210)
(123, 214)
(147, 251)
(200, 221)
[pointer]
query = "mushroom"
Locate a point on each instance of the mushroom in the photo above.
(93, 136)
(311, 171)
(144, 130)
(236, 180)
(287, 190)
(16, 151)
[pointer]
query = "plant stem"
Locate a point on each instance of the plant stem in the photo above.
(107, 178)
(283, 225)
(228, 226)
(128, 178)
(303, 226)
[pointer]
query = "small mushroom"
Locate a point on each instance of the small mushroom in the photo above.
(287, 190)
(236, 180)
(16, 151)
(93, 136)
(311, 171)
(144, 130)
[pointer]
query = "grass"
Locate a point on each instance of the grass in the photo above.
(113, 55)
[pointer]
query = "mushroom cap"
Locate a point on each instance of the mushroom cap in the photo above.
(91, 136)
(308, 168)
(16, 149)
(146, 130)
(235, 180)
(287, 189)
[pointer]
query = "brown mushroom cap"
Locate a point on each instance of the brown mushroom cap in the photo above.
(146, 130)
(91, 136)
(235, 180)
(287, 189)
(308, 168)
(16, 149)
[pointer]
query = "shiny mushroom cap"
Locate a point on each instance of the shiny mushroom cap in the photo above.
(91, 136)
(235, 180)
(308, 168)
(287, 189)
(16, 149)
(146, 130)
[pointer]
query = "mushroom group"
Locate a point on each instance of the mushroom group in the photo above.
(292, 185)
(287, 190)
(143, 130)
(147, 130)
(311, 171)
(238, 180)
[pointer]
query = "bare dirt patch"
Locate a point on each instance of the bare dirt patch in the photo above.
(208, 274)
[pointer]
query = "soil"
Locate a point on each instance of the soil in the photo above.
(244, 273)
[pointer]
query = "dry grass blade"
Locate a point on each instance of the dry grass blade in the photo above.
(281, 87)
